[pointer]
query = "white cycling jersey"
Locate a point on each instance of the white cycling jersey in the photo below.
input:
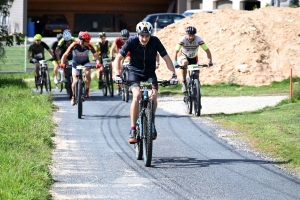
(190, 49)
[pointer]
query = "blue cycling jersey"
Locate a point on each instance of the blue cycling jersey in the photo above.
(143, 59)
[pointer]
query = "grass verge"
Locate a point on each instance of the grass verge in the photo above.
(272, 130)
(25, 139)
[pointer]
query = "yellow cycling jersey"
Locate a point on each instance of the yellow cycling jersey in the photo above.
(103, 50)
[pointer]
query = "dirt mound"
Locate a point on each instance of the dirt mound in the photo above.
(248, 47)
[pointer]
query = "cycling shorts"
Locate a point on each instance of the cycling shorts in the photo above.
(55, 62)
(135, 78)
(76, 71)
(190, 60)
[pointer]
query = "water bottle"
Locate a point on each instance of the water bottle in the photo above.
(145, 95)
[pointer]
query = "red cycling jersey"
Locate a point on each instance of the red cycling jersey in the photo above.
(120, 42)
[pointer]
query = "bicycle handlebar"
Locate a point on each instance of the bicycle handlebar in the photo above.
(83, 67)
(191, 66)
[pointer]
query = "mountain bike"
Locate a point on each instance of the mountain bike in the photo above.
(145, 128)
(80, 88)
(44, 80)
(193, 94)
(108, 84)
(65, 79)
(125, 85)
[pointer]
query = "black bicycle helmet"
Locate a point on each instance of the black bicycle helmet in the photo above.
(59, 36)
(125, 34)
(191, 30)
(102, 34)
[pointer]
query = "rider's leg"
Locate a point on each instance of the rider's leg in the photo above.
(120, 72)
(184, 62)
(74, 75)
(134, 113)
(55, 69)
(88, 79)
(37, 72)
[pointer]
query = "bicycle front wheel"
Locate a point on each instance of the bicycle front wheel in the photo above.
(147, 137)
(197, 98)
(188, 102)
(126, 88)
(138, 146)
(109, 83)
(48, 80)
(104, 88)
(79, 97)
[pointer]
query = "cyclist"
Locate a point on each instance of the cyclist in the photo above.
(117, 45)
(55, 62)
(36, 53)
(187, 48)
(103, 48)
(143, 49)
(80, 50)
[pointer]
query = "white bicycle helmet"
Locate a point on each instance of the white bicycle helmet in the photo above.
(67, 35)
(144, 28)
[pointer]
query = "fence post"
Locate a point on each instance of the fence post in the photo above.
(291, 84)
(25, 56)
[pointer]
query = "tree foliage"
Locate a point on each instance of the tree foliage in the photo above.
(7, 38)
(294, 3)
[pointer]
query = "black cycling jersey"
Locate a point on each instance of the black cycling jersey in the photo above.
(53, 47)
(37, 51)
(143, 59)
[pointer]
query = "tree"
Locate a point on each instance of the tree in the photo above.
(7, 38)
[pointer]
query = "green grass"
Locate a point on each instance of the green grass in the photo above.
(222, 89)
(13, 60)
(25, 139)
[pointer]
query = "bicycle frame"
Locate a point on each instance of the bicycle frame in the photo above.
(193, 93)
(145, 124)
(45, 77)
(125, 84)
(108, 83)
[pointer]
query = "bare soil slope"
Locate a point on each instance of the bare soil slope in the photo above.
(248, 47)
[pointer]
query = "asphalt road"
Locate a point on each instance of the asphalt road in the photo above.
(93, 159)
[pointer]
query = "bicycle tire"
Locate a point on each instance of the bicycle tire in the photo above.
(79, 96)
(44, 81)
(104, 88)
(147, 137)
(197, 98)
(35, 80)
(110, 85)
(123, 92)
(126, 88)
(138, 146)
(48, 80)
(188, 101)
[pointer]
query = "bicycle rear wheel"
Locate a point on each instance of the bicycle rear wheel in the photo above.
(79, 97)
(197, 98)
(138, 146)
(147, 137)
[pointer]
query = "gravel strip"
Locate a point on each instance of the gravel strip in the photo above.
(227, 105)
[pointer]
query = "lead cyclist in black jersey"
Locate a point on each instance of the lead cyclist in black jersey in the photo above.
(143, 50)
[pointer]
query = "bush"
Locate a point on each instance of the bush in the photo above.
(296, 91)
